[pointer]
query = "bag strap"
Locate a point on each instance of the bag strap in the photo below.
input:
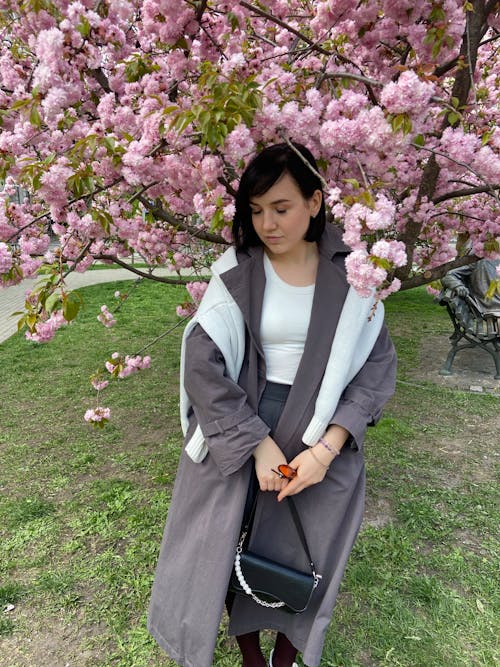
(296, 520)
(300, 530)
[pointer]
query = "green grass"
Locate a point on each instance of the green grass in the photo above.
(82, 510)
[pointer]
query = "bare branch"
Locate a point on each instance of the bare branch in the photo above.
(489, 187)
(165, 333)
(466, 192)
(356, 77)
(180, 280)
(349, 75)
(303, 159)
(437, 272)
(201, 9)
(101, 78)
(285, 25)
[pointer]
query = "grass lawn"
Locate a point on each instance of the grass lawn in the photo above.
(82, 509)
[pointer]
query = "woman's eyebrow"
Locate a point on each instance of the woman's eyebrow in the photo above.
(272, 203)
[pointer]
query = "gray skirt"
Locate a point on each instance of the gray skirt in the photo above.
(271, 406)
(272, 403)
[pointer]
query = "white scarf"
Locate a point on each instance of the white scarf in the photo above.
(221, 318)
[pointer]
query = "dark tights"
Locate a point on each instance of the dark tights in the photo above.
(283, 656)
(250, 650)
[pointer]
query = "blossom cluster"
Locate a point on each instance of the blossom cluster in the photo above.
(45, 329)
(122, 366)
(105, 317)
(98, 416)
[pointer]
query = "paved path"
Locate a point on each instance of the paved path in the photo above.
(12, 298)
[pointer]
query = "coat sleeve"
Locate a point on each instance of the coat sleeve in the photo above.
(229, 425)
(458, 277)
(364, 397)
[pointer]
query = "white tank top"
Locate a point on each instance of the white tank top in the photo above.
(286, 312)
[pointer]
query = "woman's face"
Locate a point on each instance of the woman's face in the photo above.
(281, 216)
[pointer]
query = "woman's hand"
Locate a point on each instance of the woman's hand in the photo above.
(268, 455)
(309, 471)
(312, 463)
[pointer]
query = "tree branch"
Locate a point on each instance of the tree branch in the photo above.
(180, 280)
(201, 9)
(465, 193)
(437, 272)
(285, 25)
(161, 214)
(101, 78)
(356, 77)
(491, 5)
(489, 187)
(474, 31)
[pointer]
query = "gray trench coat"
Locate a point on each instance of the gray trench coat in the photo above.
(205, 514)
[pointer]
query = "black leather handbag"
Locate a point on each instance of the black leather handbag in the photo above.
(269, 583)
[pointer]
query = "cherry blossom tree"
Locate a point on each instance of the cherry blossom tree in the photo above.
(126, 123)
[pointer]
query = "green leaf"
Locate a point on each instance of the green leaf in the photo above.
(71, 305)
(419, 140)
(486, 137)
(352, 181)
(493, 288)
(84, 27)
(21, 323)
(381, 262)
(35, 118)
(51, 302)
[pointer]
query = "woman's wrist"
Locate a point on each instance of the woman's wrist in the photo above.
(320, 458)
(331, 448)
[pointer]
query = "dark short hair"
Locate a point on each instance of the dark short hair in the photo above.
(264, 170)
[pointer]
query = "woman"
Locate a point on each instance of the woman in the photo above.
(282, 364)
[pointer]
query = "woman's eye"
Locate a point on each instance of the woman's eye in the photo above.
(281, 210)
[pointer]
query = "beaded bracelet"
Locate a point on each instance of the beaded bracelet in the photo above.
(317, 460)
(329, 447)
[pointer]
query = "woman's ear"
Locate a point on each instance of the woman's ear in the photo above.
(315, 202)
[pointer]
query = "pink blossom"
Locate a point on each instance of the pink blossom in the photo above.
(393, 286)
(196, 290)
(185, 310)
(98, 417)
(393, 251)
(409, 94)
(123, 366)
(101, 121)
(105, 317)
(239, 143)
(99, 385)
(34, 245)
(46, 330)
(5, 258)
(363, 274)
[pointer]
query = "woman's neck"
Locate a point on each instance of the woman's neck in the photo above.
(298, 268)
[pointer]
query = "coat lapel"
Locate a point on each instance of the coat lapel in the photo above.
(246, 283)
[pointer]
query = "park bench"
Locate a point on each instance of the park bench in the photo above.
(472, 328)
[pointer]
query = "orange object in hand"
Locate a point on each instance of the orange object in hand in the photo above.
(284, 470)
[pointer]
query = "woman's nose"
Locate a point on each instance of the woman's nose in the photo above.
(268, 221)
